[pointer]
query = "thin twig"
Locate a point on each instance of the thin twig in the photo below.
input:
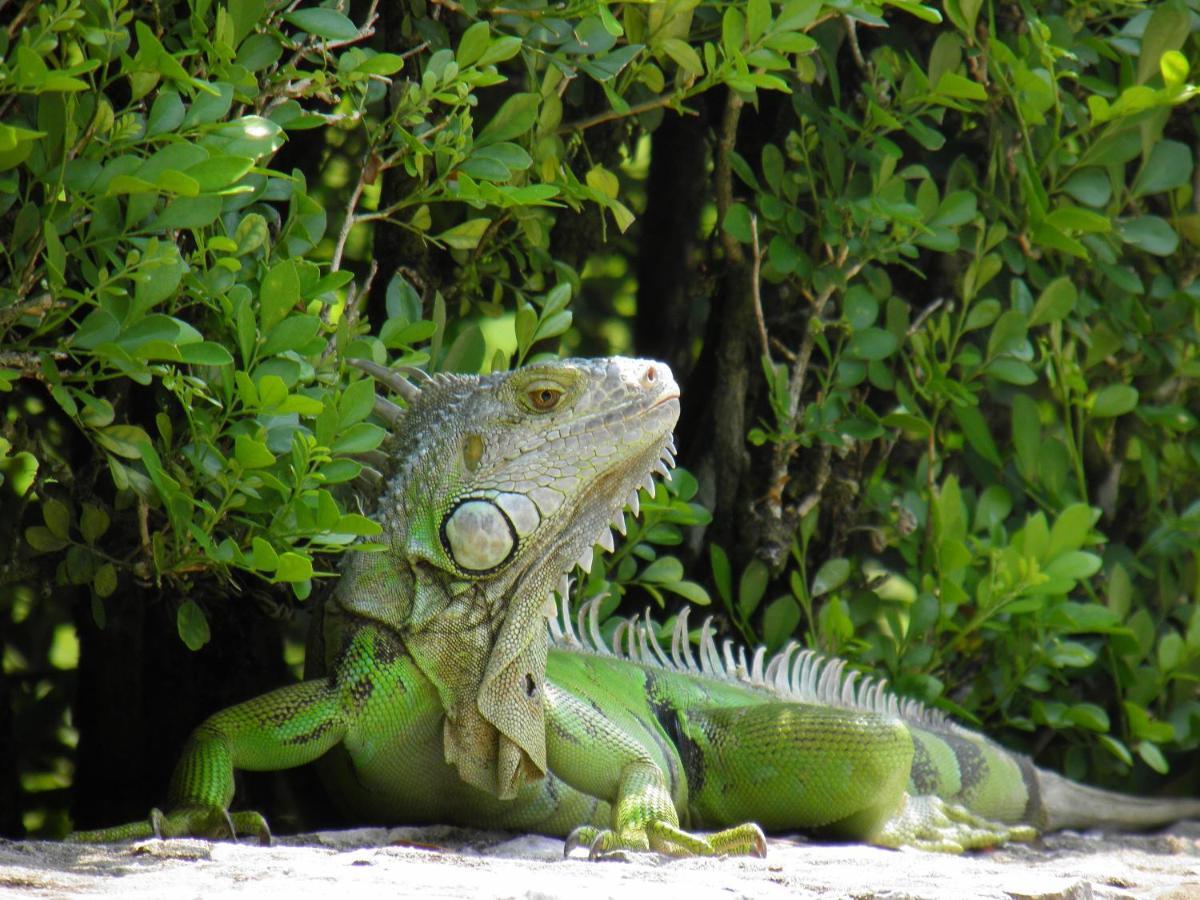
(756, 290)
(852, 40)
(491, 11)
(354, 304)
(27, 363)
(785, 450)
(349, 221)
(611, 115)
(813, 497)
(925, 314)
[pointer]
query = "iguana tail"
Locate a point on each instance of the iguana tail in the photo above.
(1068, 804)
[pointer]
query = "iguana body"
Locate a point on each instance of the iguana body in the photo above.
(444, 700)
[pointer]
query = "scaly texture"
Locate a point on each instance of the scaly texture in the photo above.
(436, 693)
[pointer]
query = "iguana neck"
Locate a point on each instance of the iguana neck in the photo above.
(456, 633)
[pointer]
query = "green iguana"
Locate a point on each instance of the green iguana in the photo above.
(447, 700)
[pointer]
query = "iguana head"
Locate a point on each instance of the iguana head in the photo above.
(502, 484)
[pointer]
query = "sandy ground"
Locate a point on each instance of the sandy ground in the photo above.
(449, 862)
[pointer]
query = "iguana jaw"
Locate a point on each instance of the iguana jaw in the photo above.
(637, 431)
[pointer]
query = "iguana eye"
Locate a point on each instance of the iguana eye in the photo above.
(544, 396)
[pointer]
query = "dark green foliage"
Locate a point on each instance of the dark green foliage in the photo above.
(942, 272)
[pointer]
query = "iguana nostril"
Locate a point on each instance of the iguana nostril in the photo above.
(650, 376)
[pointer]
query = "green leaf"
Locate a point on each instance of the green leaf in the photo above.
(292, 333)
(780, 620)
(105, 580)
(359, 438)
(262, 555)
(1008, 334)
(752, 586)
(381, 64)
(737, 223)
(1174, 67)
(251, 136)
(324, 23)
(958, 208)
(279, 293)
(516, 116)
(662, 570)
(1070, 530)
(553, 325)
(1116, 748)
(466, 235)
(976, 431)
(872, 344)
(1152, 756)
(1026, 434)
(252, 454)
(1055, 302)
(1113, 148)
(219, 173)
(1114, 400)
(356, 402)
(832, 575)
(960, 87)
(1150, 233)
(206, 353)
(758, 19)
(293, 567)
(504, 47)
(93, 522)
(192, 625)
(1166, 31)
(1074, 565)
(689, 590)
(685, 57)
(1169, 166)
(1091, 187)
(1171, 651)
(472, 44)
(40, 539)
(922, 12)
(57, 518)
(122, 440)
(1011, 371)
(166, 115)
(722, 573)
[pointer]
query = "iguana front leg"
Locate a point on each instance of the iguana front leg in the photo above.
(285, 728)
(593, 754)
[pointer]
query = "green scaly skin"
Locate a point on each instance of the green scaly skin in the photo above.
(436, 695)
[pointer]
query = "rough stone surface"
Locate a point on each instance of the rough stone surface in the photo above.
(450, 862)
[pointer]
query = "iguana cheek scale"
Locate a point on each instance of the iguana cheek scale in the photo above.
(436, 693)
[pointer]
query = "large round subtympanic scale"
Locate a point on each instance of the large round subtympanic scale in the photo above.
(478, 536)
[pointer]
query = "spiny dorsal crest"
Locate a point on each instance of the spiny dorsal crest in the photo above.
(796, 674)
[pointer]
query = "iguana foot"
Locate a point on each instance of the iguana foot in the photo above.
(186, 821)
(663, 837)
(930, 823)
